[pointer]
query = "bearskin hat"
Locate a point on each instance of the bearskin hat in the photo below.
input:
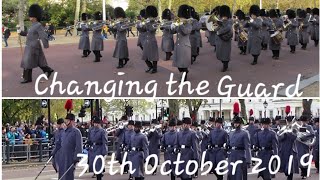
(119, 12)
(316, 120)
(315, 11)
(277, 118)
(138, 124)
(302, 14)
(70, 116)
(265, 121)
(195, 124)
(143, 13)
(242, 16)
(202, 122)
(151, 11)
(217, 9)
(238, 12)
(273, 13)
(192, 11)
(155, 121)
(84, 16)
(263, 13)
(291, 14)
(211, 119)
(255, 10)
(225, 11)
(131, 122)
(35, 11)
(251, 118)
(237, 119)
(179, 123)
(184, 11)
(60, 121)
(98, 16)
(166, 14)
(186, 120)
(172, 122)
(219, 120)
(96, 119)
(308, 10)
(278, 12)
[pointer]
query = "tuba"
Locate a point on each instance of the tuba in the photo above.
(211, 21)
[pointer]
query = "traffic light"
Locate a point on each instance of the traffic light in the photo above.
(44, 103)
(167, 113)
(129, 111)
(82, 112)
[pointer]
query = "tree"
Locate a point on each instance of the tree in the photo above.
(193, 106)
(306, 104)
(173, 107)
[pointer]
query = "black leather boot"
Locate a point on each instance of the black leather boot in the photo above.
(154, 67)
(149, 64)
(47, 70)
(255, 60)
(120, 64)
(27, 76)
(225, 66)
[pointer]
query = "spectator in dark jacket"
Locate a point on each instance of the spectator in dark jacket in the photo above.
(6, 35)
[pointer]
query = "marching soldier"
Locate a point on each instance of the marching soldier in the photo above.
(99, 146)
(120, 132)
(70, 144)
(195, 128)
(224, 35)
(212, 36)
(276, 27)
(150, 47)
(315, 26)
(57, 138)
(179, 125)
(276, 127)
(121, 51)
(303, 29)
(154, 138)
(194, 36)
(218, 137)
(254, 33)
(141, 28)
(125, 144)
(316, 145)
(239, 28)
(167, 44)
(167, 143)
(33, 53)
(266, 143)
(182, 49)
(252, 129)
(266, 22)
(205, 141)
(97, 39)
(84, 43)
(239, 146)
(188, 146)
(292, 33)
(303, 148)
(287, 147)
(139, 151)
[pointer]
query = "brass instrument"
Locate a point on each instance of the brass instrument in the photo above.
(243, 35)
(211, 21)
(285, 26)
(162, 24)
(120, 125)
(277, 35)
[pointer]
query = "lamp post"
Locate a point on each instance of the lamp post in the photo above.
(265, 105)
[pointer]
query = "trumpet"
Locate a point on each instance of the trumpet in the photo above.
(127, 25)
(120, 125)
(162, 24)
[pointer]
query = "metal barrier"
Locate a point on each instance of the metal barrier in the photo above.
(36, 150)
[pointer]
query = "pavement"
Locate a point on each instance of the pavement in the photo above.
(65, 58)
(29, 173)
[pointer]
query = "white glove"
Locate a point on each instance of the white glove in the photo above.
(251, 20)
(173, 26)
(121, 127)
(18, 31)
(152, 130)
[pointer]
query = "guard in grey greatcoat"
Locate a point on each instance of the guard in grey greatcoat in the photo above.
(195, 128)
(303, 148)
(276, 25)
(97, 39)
(315, 26)
(57, 138)
(188, 146)
(287, 147)
(303, 29)
(239, 148)
(154, 138)
(167, 144)
(276, 126)
(265, 35)
(238, 29)
(167, 43)
(33, 54)
(121, 51)
(119, 135)
(99, 146)
(224, 36)
(150, 46)
(84, 43)
(125, 144)
(139, 151)
(252, 129)
(266, 143)
(141, 28)
(194, 36)
(70, 144)
(198, 33)
(315, 151)
(218, 137)
(182, 48)
(254, 33)
(205, 140)
(292, 33)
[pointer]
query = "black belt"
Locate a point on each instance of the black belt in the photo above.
(266, 148)
(97, 144)
(169, 146)
(214, 146)
(238, 148)
(136, 149)
(184, 147)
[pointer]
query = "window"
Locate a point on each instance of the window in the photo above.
(271, 113)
